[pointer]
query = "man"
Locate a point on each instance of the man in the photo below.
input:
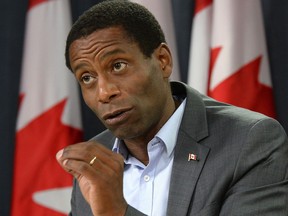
(167, 150)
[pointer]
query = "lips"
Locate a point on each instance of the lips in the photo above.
(116, 116)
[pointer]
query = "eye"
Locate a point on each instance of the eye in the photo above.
(119, 66)
(87, 79)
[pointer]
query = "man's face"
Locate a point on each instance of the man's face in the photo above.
(128, 92)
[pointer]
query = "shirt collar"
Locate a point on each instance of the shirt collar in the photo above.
(167, 134)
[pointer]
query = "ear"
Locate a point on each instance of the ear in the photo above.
(164, 58)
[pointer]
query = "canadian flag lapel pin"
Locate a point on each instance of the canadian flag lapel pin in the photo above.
(192, 157)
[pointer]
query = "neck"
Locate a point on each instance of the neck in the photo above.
(138, 146)
(138, 150)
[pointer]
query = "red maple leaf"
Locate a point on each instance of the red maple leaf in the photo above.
(35, 165)
(201, 4)
(243, 88)
(33, 3)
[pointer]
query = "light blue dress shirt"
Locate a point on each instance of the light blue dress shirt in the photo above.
(146, 188)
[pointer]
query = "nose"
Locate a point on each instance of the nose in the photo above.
(107, 90)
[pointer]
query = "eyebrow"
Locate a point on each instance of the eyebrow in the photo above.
(107, 54)
(78, 67)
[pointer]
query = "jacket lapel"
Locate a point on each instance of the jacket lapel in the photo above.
(185, 172)
(184, 176)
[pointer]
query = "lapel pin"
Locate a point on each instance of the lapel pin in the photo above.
(192, 157)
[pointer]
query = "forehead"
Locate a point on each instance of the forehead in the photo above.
(102, 37)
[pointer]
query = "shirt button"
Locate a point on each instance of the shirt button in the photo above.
(146, 178)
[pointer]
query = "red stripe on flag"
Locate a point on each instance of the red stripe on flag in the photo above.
(201, 4)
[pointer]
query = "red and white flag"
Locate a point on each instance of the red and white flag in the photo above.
(162, 10)
(49, 113)
(228, 54)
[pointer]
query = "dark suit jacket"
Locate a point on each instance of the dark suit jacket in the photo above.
(242, 166)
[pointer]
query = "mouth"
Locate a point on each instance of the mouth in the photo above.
(116, 116)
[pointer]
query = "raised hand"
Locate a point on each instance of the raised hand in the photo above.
(99, 172)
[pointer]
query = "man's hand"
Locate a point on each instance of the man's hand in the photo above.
(100, 180)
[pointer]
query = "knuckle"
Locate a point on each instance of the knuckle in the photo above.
(118, 165)
(83, 167)
(66, 151)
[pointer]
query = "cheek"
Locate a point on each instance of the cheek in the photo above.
(144, 83)
(148, 91)
(139, 91)
(90, 99)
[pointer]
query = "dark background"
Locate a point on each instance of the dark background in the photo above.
(12, 25)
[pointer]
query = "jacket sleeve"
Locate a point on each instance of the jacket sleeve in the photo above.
(133, 212)
(260, 180)
(80, 207)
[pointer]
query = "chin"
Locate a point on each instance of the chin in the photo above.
(124, 134)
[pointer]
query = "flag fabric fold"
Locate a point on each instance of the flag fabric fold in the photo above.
(49, 113)
(228, 54)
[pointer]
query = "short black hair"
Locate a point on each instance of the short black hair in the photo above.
(138, 23)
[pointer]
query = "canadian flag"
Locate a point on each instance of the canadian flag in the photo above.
(162, 10)
(228, 54)
(49, 113)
